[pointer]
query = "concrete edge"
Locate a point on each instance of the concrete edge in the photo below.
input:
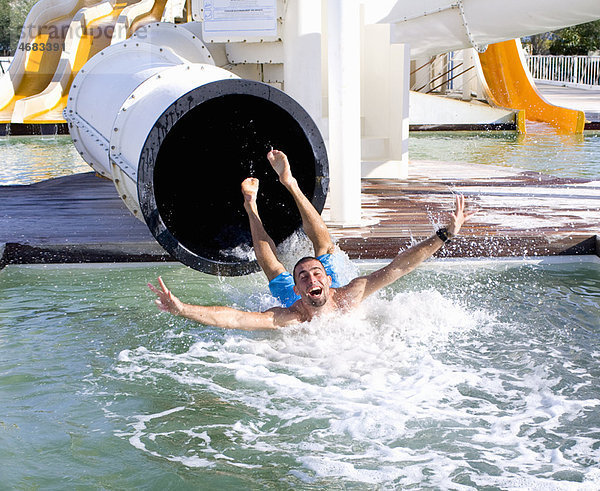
(463, 127)
(474, 262)
(34, 129)
(15, 253)
(356, 248)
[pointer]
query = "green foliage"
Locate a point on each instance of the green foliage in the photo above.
(4, 25)
(539, 44)
(12, 17)
(576, 40)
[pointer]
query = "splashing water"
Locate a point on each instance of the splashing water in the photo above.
(342, 384)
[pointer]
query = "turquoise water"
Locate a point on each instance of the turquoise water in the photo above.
(546, 152)
(29, 159)
(463, 375)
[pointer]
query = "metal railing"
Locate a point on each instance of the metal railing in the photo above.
(4, 63)
(567, 70)
(446, 74)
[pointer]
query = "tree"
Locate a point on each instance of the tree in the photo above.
(576, 40)
(4, 27)
(539, 44)
(12, 17)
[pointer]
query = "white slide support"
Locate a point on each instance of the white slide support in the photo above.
(437, 26)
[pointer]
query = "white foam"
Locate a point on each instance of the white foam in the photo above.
(331, 467)
(349, 396)
(242, 251)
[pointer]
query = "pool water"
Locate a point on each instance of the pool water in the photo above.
(29, 159)
(543, 151)
(462, 375)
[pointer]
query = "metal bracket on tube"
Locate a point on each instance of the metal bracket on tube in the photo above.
(124, 165)
(439, 10)
(82, 124)
(84, 127)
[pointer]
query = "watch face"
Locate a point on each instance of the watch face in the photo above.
(442, 233)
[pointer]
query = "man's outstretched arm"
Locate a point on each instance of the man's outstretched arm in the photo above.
(221, 316)
(409, 259)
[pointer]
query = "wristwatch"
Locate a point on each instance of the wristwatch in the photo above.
(443, 234)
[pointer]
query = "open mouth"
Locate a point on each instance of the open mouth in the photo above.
(315, 292)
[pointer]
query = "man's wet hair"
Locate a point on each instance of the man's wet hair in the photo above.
(303, 260)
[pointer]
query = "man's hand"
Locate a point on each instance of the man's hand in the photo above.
(460, 216)
(166, 301)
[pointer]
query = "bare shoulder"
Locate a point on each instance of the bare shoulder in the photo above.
(350, 295)
(285, 316)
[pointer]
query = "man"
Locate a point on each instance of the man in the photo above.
(313, 288)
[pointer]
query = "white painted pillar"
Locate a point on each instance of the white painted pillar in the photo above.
(467, 77)
(343, 39)
(302, 56)
(399, 101)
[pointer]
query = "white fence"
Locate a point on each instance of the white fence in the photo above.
(581, 71)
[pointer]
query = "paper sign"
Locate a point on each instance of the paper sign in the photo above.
(235, 19)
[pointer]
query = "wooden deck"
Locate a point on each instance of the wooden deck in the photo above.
(80, 218)
(520, 214)
(77, 218)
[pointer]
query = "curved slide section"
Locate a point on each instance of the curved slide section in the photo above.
(135, 16)
(85, 36)
(31, 70)
(35, 88)
(509, 84)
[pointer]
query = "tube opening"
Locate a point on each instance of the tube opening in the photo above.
(196, 209)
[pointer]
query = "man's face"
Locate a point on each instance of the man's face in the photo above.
(312, 282)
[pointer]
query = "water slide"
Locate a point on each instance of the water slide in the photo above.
(58, 38)
(159, 132)
(508, 83)
(437, 26)
(35, 88)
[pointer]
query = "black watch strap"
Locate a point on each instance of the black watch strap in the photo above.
(443, 234)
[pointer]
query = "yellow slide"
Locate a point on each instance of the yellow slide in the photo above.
(510, 85)
(31, 70)
(52, 50)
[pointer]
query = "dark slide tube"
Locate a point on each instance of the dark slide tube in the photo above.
(198, 153)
